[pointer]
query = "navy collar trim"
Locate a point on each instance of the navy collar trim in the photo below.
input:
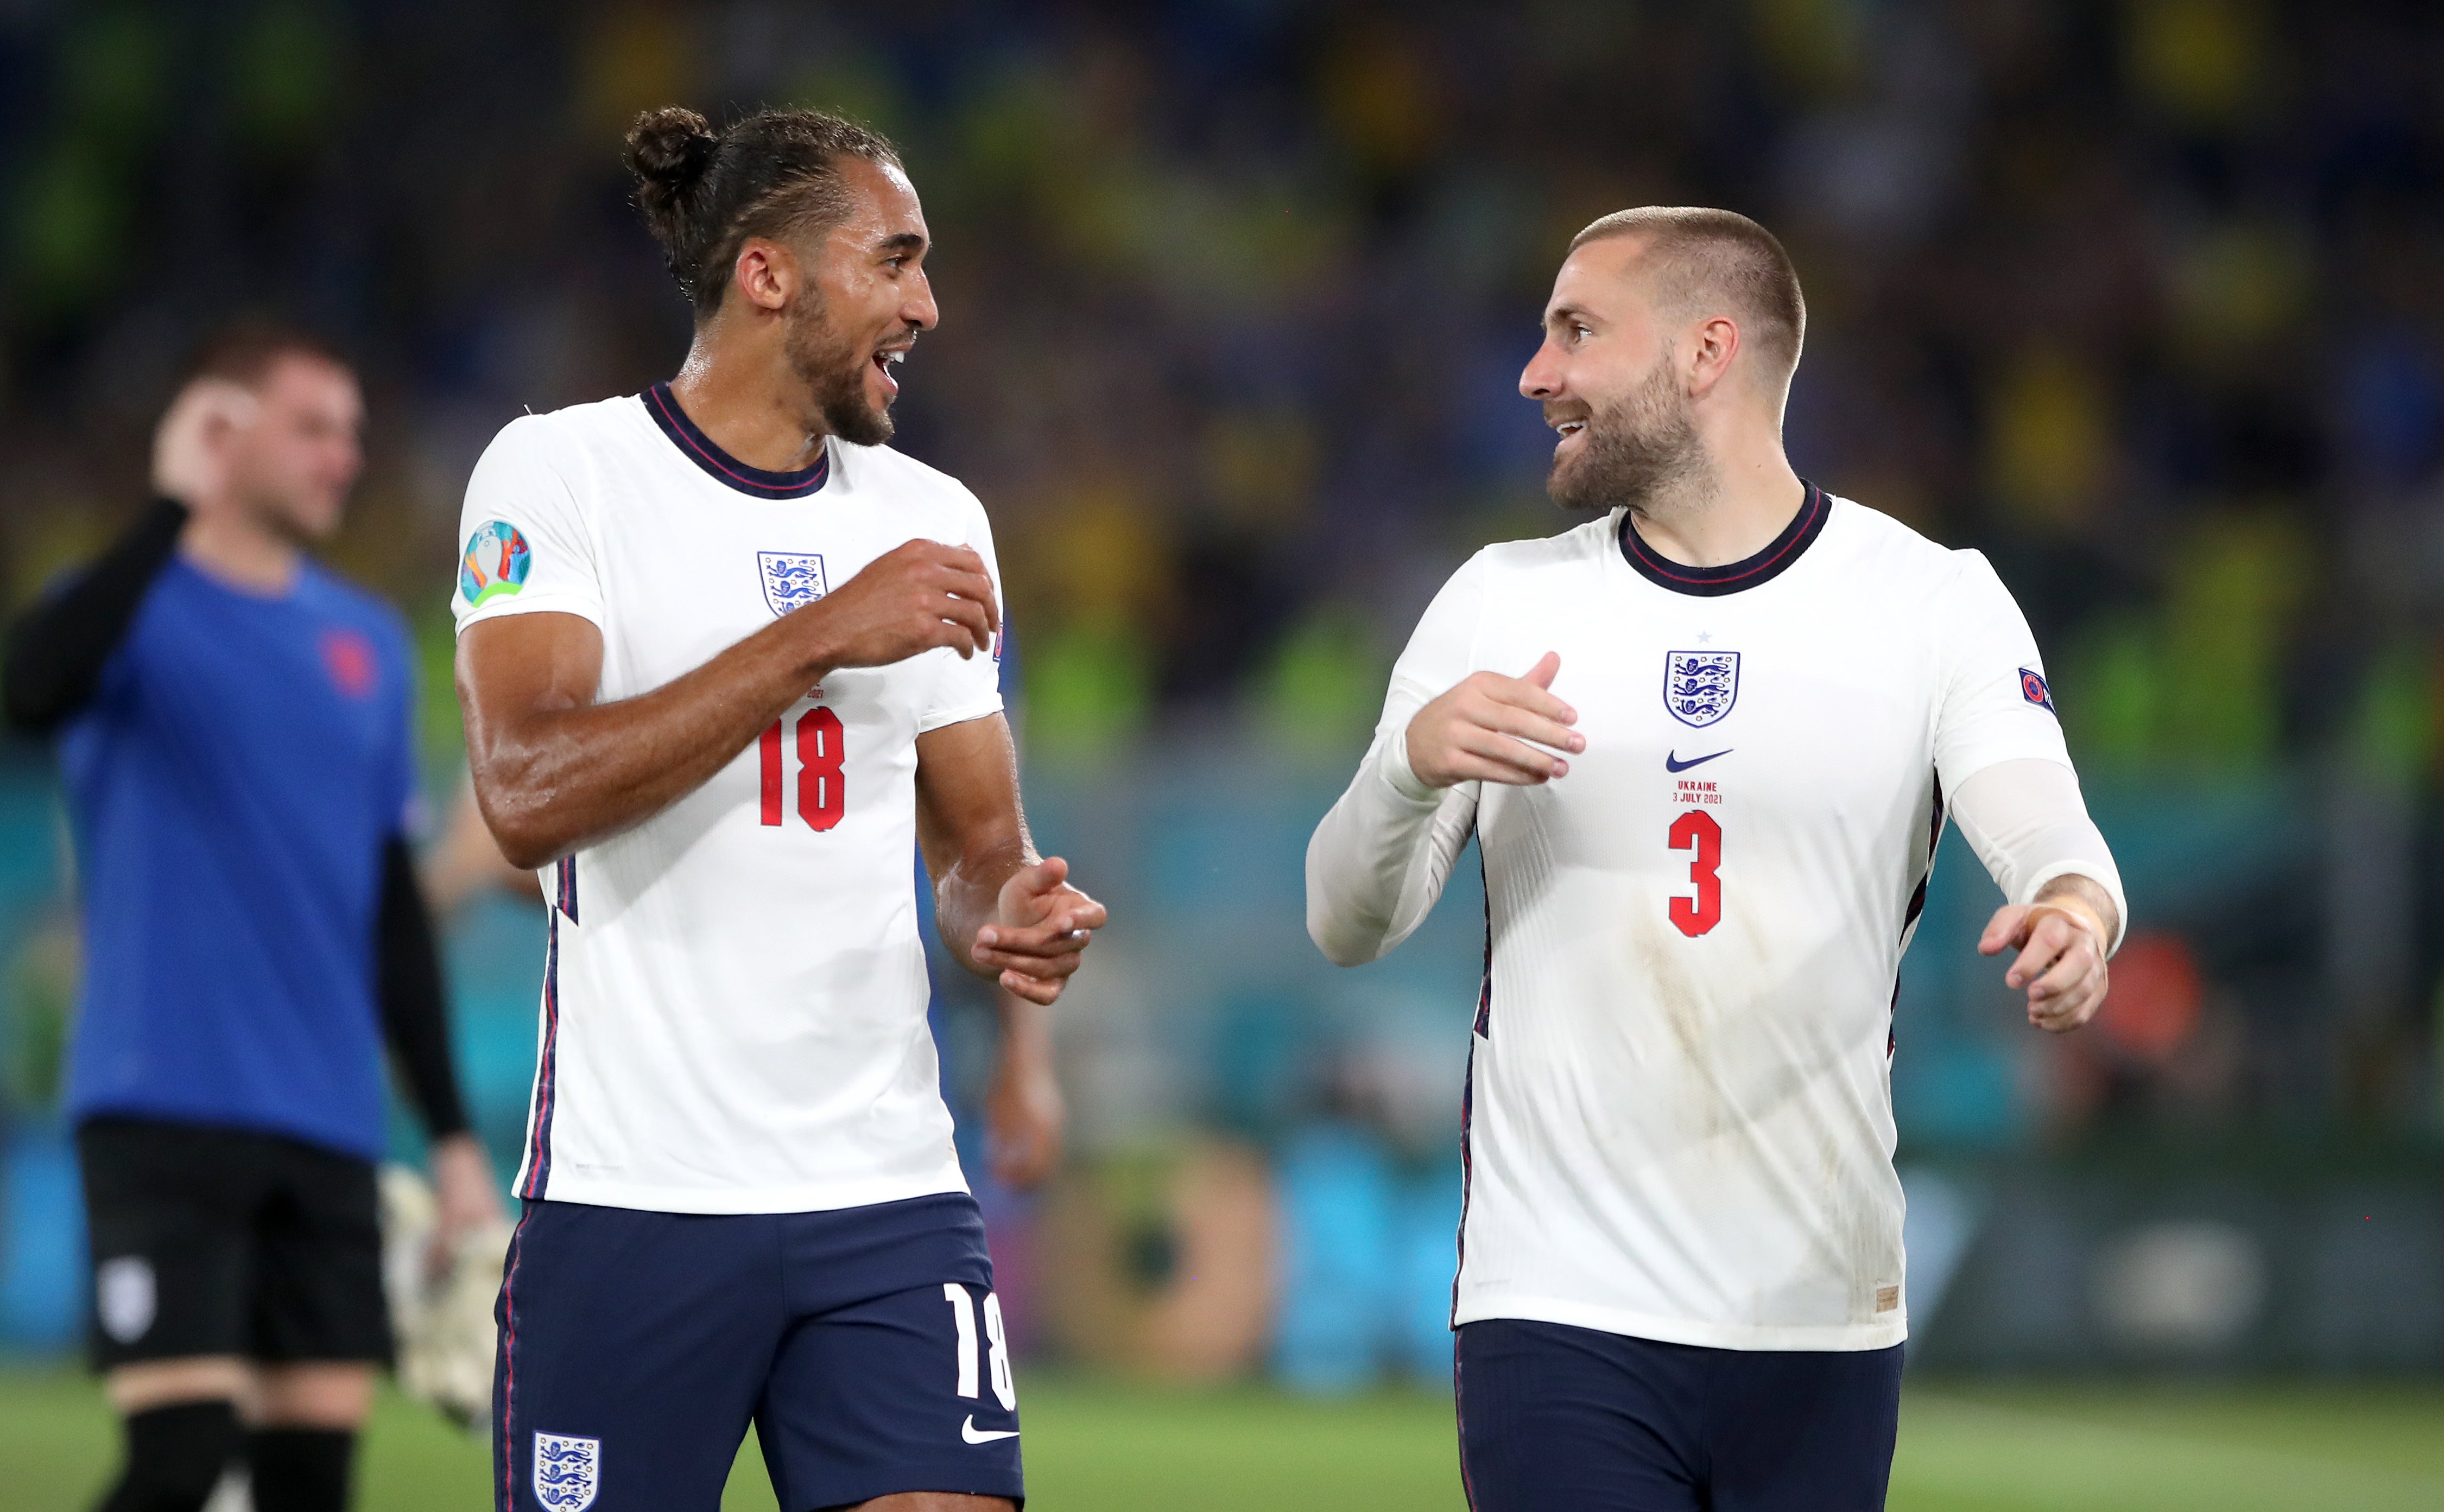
(664, 406)
(1732, 577)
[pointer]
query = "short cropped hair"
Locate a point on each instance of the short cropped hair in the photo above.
(244, 351)
(1705, 260)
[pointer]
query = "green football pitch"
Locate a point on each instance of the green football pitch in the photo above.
(1103, 1447)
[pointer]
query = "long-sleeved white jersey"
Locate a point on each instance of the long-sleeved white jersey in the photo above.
(1678, 1118)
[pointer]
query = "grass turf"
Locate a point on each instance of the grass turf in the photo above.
(1098, 1446)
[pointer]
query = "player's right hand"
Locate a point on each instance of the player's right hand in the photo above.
(909, 600)
(190, 446)
(1481, 730)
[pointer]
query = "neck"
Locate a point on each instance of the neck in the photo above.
(231, 545)
(1730, 509)
(741, 392)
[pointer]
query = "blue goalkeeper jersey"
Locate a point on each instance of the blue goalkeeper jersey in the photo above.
(232, 786)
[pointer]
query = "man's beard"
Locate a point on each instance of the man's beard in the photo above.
(834, 370)
(1642, 447)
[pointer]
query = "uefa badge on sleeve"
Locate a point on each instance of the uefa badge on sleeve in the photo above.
(2033, 688)
(568, 1472)
(495, 562)
(1700, 687)
(792, 580)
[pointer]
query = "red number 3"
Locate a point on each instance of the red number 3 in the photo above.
(821, 783)
(1696, 828)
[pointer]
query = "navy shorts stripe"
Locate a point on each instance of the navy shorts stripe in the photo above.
(547, 1067)
(505, 1385)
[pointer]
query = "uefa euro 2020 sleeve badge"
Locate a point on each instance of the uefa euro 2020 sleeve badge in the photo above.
(1700, 687)
(567, 1471)
(792, 580)
(495, 562)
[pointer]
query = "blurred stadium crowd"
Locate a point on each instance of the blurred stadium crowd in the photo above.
(2140, 296)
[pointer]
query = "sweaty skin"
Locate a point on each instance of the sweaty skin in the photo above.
(555, 772)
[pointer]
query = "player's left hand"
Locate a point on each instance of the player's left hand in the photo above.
(1041, 927)
(2061, 961)
(465, 1196)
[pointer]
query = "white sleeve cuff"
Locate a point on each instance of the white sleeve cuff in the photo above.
(1401, 776)
(2027, 822)
(2110, 881)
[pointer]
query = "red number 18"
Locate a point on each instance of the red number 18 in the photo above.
(1695, 829)
(821, 783)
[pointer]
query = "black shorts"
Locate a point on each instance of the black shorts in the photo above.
(217, 1241)
(1552, 1416)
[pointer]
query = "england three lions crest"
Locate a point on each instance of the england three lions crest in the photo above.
(792, 580)
(568, 1472)
(1699, 687)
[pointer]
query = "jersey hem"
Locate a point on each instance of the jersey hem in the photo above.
(565, 1187)
(1834, 1339)
(959, 715)
(541, 603)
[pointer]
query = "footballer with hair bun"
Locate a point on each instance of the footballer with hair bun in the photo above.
(726, 657)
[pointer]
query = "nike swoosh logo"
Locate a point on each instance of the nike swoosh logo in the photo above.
(1672, 762)
(967, 1430)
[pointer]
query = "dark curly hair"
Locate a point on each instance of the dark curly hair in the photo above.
(773, 174)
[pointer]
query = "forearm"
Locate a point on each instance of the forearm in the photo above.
(967, 893)
(2027, 822)
(414, 1008)
(1380, 858)
(563, 774)
(1004, 912)
(1026, 1032)
(56, 651)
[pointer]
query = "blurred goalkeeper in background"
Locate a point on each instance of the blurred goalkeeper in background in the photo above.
(235, 729)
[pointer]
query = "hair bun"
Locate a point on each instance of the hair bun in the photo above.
(669, 148)
(669, 151)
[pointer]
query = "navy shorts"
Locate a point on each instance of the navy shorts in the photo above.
(1552, 1416)
(866, 1345)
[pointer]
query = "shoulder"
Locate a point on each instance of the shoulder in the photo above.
(1510, 574)
(1861, 530)
(1958, 597)
(542, 470)
(1897, 556)
(887, 469)
(1546, 556)
(562, 436)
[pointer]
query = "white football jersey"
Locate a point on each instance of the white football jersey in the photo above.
(1678, 1118)
(734, 1008)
